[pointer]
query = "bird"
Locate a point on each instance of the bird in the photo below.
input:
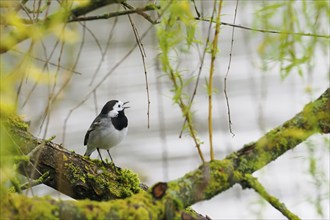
(108, 129)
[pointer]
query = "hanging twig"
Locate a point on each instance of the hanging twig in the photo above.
(199, 70)
(143, 56)
(93, 36)
(226, 77)
(51, 92)
(53, 96)
(104, 51)
(196, 10)
(186, 114)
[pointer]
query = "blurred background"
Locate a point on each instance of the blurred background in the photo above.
(260, 99)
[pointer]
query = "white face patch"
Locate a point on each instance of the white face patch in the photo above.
(119, 106)
(113, 113)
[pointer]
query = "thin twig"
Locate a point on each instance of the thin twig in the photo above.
(268, 31)
(39, 10)
(47, 111)
(186, 114)
(36, 182)
(140, 12)
(93, 35)
(196, 10)
(54, 95)
(116, 14)
(37, 152)
(177, 85)
(24, 8)
(107, 45)
(48, 62)
(45, 66)
(20, 5)
(199, 71)
(226, 77)
(24, 75)
(143, 55)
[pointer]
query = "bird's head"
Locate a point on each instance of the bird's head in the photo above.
(113, 107)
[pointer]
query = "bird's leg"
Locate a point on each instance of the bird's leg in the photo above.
(98, 150)
(111, 159)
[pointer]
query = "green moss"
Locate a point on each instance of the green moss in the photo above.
(244, 164)
(221, 172)
(129, 182)
(141, 213)
(50, 139)
(125, 183)
(139, 206)
(92, 210)
(27, 208)
(16, 121)
(75, 171)
(209, 178)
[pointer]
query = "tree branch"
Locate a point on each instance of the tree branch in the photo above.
(167, 200)
(253, 183)
(17, 35)
(36, 182)
(76, 176)
(9, 40)
(93, 5)
(118, 13)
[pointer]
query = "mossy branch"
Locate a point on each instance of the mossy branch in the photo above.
(253, 183)
(76, 176)
(169, 199)
(70, 173)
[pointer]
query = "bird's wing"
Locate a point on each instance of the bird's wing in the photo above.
(96, 123)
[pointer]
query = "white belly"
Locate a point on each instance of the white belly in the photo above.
(107, 138)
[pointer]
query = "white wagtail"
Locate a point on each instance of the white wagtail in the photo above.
(108, 129)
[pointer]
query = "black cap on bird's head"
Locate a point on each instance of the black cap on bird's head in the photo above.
(114, 106)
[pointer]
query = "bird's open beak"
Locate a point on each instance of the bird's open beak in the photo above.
(125, 107)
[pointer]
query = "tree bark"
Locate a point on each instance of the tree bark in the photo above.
(163, 200)
(77, 176)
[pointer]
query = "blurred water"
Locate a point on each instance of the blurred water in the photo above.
(258, 101)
